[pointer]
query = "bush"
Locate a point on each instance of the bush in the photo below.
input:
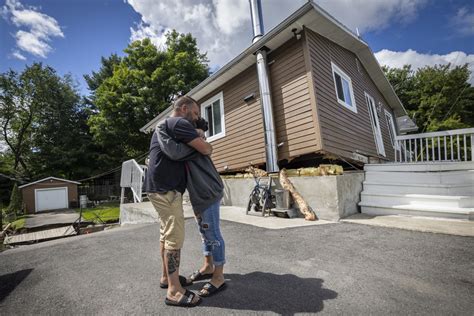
(15, 201)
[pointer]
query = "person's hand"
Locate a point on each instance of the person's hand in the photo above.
(201, 133)
(201, 123)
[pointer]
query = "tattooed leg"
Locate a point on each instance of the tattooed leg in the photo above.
(164, 274)
(172, 260)
(175, 290)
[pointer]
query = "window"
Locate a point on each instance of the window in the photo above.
(374, 120)
(343, 86)
(391, 128)
(213, 111)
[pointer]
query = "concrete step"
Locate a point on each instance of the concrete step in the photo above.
(384, 199)
(410, 210)
(445, 177)
(418, 188)
(421, 166)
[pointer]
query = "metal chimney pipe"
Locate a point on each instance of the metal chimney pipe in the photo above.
(271, 150)
(257, 20)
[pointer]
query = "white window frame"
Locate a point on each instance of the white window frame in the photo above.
(391, 127)
(219, 96)
(343, 75)
(376, 128)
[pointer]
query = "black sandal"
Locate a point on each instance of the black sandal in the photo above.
(185, 301)
(182, 280)
(198, 276)
(211, 289)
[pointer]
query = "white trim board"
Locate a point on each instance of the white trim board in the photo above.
(48, 178)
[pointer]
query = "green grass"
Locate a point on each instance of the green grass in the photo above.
(19, 223)
(107, 212)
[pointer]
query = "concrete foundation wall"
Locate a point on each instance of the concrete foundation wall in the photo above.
(138, 213)
(331, 197)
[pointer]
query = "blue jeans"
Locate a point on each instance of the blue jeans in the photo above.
(212, 241)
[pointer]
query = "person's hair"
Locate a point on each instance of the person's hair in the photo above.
(184, 100)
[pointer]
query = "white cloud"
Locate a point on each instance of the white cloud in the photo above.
(231, 14)
(223, 28)
(464, 22)
(372, 15)
(32, 44)
(148, 31)
(16, 54)
(215, 34)
(419, 60)
(36, 28)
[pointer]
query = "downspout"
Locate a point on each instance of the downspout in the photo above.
(271, 150)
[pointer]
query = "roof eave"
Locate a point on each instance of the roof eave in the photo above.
(48, 178)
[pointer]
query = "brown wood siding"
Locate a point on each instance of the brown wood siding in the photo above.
(292, 103)
(28, 193)
(343, 130)
(244, 141)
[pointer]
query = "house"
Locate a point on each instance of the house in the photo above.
(329, 98)
(49, 194)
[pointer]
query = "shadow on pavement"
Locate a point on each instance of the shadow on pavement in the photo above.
(284, 294)
(8, 282)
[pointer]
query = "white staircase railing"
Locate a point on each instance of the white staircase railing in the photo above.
(454, 145)
(132, 177)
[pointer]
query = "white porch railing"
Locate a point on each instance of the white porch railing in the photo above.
(455, 145)
(132, 177)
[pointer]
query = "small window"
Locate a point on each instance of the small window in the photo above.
(343, 86)
(213, 111)
(391, 129)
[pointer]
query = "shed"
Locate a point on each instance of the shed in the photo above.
(49, 194)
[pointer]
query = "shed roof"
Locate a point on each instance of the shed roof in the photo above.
(48, 178)
(311, 16)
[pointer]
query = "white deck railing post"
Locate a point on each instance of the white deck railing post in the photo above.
(132, 177)
(458, 143)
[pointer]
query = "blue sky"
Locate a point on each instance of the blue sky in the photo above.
(72, 35)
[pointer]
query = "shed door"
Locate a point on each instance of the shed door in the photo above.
(374, 119)
(51, 199)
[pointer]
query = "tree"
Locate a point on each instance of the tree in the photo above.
(18, 106)
(142, 84)
(107, 69)
(15, 201)
(402, 80)
(438, 97)
(95, 79)
(43, 123)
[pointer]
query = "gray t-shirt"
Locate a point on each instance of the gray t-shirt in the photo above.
(164, 174)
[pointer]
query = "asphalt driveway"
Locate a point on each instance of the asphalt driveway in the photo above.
(62, 217)
(339, 268)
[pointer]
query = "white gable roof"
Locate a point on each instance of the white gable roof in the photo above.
(48, 178)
